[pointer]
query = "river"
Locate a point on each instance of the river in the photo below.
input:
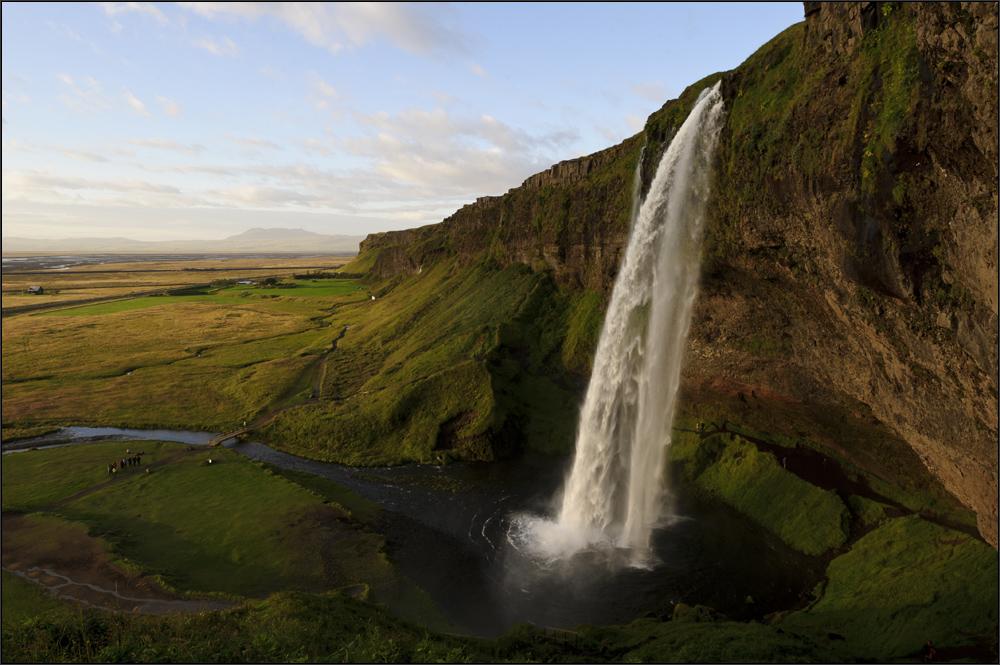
(448, 528)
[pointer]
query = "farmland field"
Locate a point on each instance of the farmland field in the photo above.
(210, 356)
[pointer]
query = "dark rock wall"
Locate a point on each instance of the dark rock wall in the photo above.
(878, 251)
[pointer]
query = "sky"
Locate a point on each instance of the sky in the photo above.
(201, 120)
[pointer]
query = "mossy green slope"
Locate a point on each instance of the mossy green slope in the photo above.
(907, 582)
(454, 362)
(733, 470)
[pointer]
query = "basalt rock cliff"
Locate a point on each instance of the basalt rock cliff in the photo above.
(851, 260)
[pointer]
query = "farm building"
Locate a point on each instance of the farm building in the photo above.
(36, 290)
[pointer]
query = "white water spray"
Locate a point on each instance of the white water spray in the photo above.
(614, 493)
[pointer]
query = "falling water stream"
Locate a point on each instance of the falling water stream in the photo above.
(614, 495)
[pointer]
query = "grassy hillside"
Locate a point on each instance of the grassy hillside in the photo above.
(454, 362)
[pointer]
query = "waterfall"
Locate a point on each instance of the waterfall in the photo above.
(614, 493)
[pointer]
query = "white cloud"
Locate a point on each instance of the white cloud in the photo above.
(44, 186)
(21, 98)
(414, 28)
(444, 156)
(144, 8)
(254, 143)
(266, 197)
(654, 91)
(322, 93)
(135, 104)
(477, 70)
(314, 145)
(164, 144)
(86, 98)
(13, 77)
(80, 155)
(617, 131)
(223, 47)
(170, 108)
(18, 146)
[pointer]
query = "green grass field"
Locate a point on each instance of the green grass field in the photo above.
(304, 288)
(232, 527)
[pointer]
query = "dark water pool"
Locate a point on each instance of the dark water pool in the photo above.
(449, 532)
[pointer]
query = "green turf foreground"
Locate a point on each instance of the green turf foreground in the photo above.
(191, 525)
(231, 527)
(331, 627)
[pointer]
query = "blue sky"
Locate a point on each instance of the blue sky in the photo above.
(201, 120)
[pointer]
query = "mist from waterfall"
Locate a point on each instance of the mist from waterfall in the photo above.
(614, 494)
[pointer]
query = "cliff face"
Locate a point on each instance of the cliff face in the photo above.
(851, 260)
(876, 233)
(572, 219)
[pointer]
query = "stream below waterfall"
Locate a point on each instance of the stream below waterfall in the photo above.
(448, 528)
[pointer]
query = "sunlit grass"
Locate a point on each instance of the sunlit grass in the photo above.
(198, 362)
(35, 478)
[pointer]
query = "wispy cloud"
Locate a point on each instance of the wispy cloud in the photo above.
(18, 146)
(254, 143)
(13, 77)
(19, 98)
(170, 108)
(136, 104)
(454, 156)
(314, 145)
(635, 123)
(86, 97)
(164, 144)
(415, 28)
(321, 93)
(143, 8)
(78, 154)
(225, 46)
(35, 184)
(477, 70)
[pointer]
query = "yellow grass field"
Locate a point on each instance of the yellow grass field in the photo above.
(199, 362)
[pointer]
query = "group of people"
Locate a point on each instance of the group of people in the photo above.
(131, 460)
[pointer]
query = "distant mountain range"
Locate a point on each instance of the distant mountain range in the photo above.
(254, 240)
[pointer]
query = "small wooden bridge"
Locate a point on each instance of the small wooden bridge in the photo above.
(231, 435)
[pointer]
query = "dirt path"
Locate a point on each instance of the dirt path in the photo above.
(75, 567)
(316, 374)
